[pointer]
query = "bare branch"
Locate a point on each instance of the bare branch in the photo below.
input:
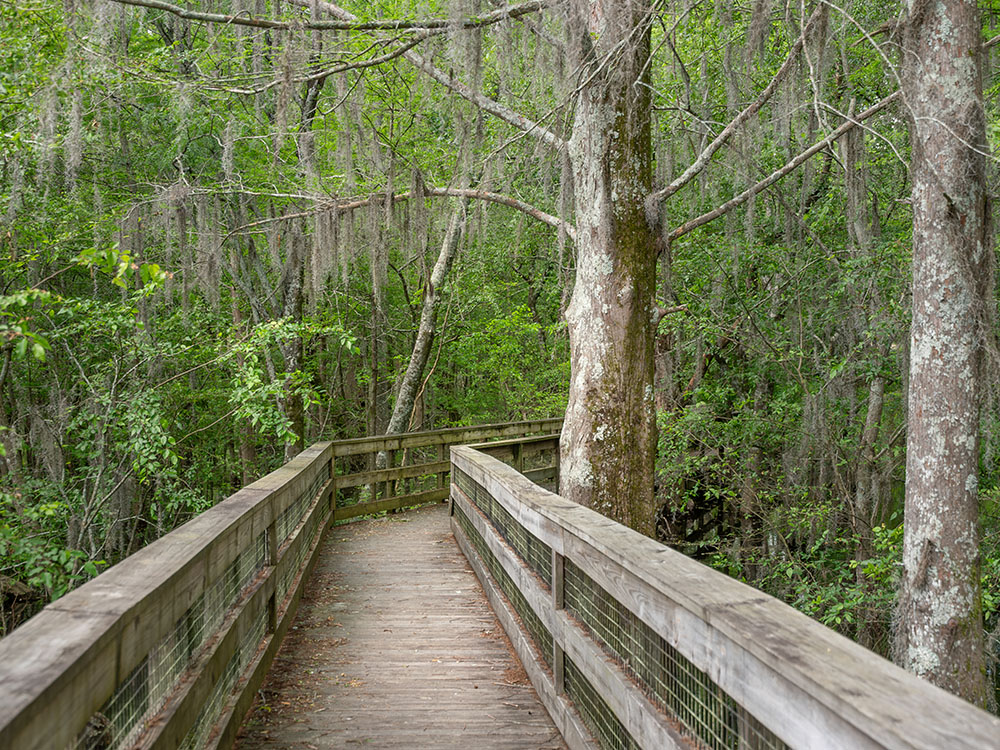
(483, 102)
(699, 164)
(501, 14)
(326, 72)
(779, 173)
(486, 104)
(349, 204)
(506, 200)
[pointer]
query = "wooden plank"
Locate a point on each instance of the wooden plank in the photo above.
(449, 436)
(543, 475)
(400, 472)
(115, 619)
(648, 726)
(570, 725)
(530, 445)
(538, 598)
(395, 646)
(181, 711)
(62, 646)
(638, 715)
(183, 705)
(391, 503)
(231, 718)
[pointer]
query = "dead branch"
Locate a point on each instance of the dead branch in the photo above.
(500, 14)
(349, 204)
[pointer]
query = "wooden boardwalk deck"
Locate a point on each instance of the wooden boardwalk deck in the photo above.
(395, 646)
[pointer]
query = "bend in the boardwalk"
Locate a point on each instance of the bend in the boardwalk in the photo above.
(395, 646)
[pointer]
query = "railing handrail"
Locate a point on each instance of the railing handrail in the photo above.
(388, 490)
(808, 685)
(444, 436)
(70, 659)
(67, 660)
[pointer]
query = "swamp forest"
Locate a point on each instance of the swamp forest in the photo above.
(747, 249)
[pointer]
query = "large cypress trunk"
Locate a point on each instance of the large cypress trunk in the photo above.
(609, 438)
(941, 629)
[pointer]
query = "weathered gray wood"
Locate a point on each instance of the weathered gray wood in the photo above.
(570, 725)
(529, 445)
(67, 661)
(344, 513)
(400, 472)
(640, 717)
(449, 436)
(542, 476)
(61, 647)
(810, 686)
(395, 647)
(440, 440)
(185, 703)
(231, 718)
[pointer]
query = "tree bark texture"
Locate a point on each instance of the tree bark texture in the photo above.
(941, 629)
(609, 437)
(403, 408)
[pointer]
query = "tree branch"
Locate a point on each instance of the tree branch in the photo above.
(345, 24)
(486, 104)
(349, 204)
(655, 199)
(779, 173)
(483, 102)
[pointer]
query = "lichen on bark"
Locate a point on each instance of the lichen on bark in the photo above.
(940, 633)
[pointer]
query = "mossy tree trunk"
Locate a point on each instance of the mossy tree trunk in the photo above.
(609, 438)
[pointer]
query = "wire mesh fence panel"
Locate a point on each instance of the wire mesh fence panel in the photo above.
(610, 733)
(534, 627)
(704, 711)
(292, 515)
(293, 568)
(141, 695)
(237, 664)
(535, 553)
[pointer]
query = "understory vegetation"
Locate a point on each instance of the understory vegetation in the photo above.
(217, 240)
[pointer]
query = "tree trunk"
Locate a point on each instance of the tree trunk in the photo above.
(403, 408)
(941, 629)
(291, 350)
(608, 442)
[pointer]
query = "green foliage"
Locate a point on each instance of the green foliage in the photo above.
(508, 359)
(33, 550)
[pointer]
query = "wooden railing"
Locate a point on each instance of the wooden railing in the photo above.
(633, 645)
(168, 648)
(415, 466)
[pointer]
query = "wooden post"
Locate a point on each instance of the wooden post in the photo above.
(441, 449)
(519, 458)
(558, 658)
(390, 463)
(333, 486)
(272, 561)
(450, 500)
(373, 487)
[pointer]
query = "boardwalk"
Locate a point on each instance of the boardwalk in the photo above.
(395, 646)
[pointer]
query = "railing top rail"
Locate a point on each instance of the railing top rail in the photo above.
(101, 631)
(802, 679)
(446, 436)
(529, 440)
